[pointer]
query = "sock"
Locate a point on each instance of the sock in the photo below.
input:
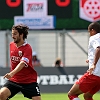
(74, 97)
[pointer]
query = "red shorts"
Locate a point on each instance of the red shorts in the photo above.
(89, 83)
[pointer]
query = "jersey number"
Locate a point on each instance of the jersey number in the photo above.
(37, 89)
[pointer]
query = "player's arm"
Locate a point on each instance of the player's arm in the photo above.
(87, 61)
(96, 58)
(97, 55)
(16, 70)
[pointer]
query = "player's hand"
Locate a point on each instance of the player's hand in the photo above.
(8, 75)
(87, 61)
(90, 70)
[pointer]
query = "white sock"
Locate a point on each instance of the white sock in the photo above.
(76, 99)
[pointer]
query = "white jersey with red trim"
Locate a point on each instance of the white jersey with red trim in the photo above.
(94, 42)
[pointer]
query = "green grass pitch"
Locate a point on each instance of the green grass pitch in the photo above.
(53, 96)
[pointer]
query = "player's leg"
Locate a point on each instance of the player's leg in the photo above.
(88, 96)
(81, 86)
(37, 95)
(8, 90)
(36, 98)
(4, 93)
(74, 92)
(31, 91)
(93, 85)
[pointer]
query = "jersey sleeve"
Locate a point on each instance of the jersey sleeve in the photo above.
(27, 56)
(96, 43)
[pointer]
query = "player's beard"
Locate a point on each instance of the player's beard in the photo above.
(17, 40)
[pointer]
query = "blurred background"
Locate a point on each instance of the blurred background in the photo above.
(57, 29)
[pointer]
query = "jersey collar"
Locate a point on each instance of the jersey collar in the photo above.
(25, 42)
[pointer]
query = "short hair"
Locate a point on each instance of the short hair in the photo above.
(22, 29)
(95, 26)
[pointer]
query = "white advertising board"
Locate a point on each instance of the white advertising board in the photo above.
(35, 8)
(89, 10)
(45, 22)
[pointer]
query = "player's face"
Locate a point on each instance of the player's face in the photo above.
(16, 37)
(91, 32)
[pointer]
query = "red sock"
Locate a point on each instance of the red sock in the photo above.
(71, 97)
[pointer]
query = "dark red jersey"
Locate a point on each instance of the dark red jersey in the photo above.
(18, 54)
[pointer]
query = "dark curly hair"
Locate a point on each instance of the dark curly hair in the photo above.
(22, 29)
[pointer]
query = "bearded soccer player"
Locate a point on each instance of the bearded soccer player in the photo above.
(89, 83)
(22, 77)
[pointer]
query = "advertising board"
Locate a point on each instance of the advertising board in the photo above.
(70, 14)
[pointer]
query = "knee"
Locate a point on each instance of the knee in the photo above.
(3, 96)
(68, 93)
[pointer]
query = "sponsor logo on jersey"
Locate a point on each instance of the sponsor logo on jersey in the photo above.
(14, 58)
(20, 53)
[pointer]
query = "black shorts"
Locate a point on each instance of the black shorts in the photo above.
(28, 90)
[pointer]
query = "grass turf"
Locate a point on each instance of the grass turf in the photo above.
(53, 96)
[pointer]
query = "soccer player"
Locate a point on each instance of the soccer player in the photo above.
(22, 77)
(89, 83)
